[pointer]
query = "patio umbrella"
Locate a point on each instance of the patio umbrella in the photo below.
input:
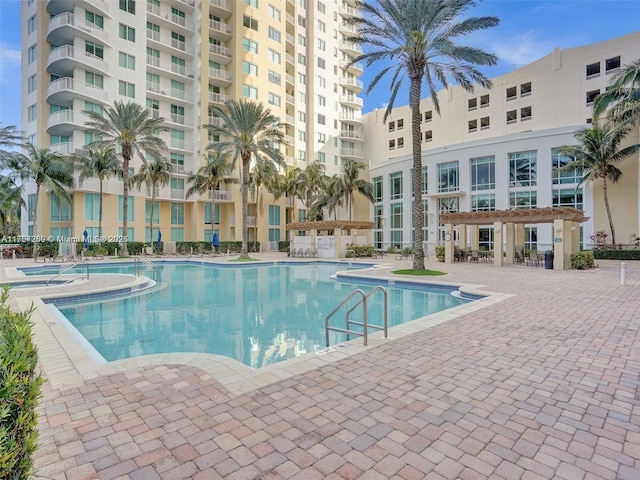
(159, 238)
(85, 236)
(215, 241)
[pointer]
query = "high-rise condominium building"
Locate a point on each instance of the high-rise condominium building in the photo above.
(179, 58)
(498, 148)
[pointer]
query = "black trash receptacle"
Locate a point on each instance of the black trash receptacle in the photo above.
(548, 259)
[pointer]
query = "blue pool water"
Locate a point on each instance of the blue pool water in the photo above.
(258, 315)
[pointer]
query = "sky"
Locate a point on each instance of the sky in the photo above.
(528, 30)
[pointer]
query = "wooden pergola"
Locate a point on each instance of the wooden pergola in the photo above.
(566, 231)
(335, 226)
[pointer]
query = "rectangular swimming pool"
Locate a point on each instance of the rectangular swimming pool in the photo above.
(256, 314)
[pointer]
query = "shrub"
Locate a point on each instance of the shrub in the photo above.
(616, 254)
(19, 392)
(599, 239)
(440, 253)
(582, 260)
(283, 246)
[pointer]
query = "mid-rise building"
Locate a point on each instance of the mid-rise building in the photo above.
(498, 148)
(179, 58)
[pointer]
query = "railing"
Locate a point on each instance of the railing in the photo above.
(82, 260)
(138, 261)
(364, 324)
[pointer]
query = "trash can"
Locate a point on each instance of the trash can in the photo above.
(548, 259)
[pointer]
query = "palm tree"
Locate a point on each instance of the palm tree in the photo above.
(262, 174)
(100, 162)
(44, 168)
(312, 181)
(208, 177)
(331, 195)
(128, 128)
(623, 95)
(153, 174)
(10, 136)
(597, 155)
(351, 183)
(289, 184)
(248, 131)
(11, 202)
(418, 38)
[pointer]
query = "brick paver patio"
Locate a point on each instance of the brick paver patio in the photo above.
(542, 385)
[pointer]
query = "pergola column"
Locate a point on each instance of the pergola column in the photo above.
(562, 240)
(462, 236)
(474, 239)
(314, 234)
(497, 244)
(448, 244)
(520, 234)
(337, 233)
(511, 244)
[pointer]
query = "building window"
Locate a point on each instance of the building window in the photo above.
(611, 64)
(32, 83)
(558, 159)
(401, 142)
(249, 92)
(428, 116)
(485, 239)
(484, 101)
(274, 56)
(126, 89)
(60, 210)
(321, 157)
(322, 101)
(472, 104)
(400, 124)
(32, 113)
(251, 3)
(473, 125)
(275, 78)
(177, 138)
(32, 24)
(274, 215)
(211, 216)
(322, 45)
(593, 70)
(569, 197)
(530, 238)
(485, 123)
(377, 189)
(395, 225)
(322, 119)
(525, 89)
(591, 96)
(91, 207)
(526, 199)
(483, 173)
(392, 126)
(94, 49)
(392, 144)
(512, 93)
(127, 33)
(249, 68)
(249, 45)
(428, 136)
(449, 205)
(525, 113)
(130, 208)
(32, 54)
(127, 61)
(512, 116)
(321, 26)
(302, 156)
(448, 178)
(483, 202)
(321, 63)
(273, 99)
(274, 13)
(250, 22)
(177, 213)
(395, 185)
(94, 79)
(128, 6)
(523, 169)
(423, 181)
(275, 34)
(322, 138)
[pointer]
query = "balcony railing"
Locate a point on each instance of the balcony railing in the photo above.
(220, 74)
(354, 134)
(221, 195)
(220, 27)
(169, 66)
(220, 50)
(218, 97)
(78, 87)
(170, 16)
(68, 51)
(69, 19)
(251, 221)
(351, 152)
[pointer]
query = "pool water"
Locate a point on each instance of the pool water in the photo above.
(258, 315)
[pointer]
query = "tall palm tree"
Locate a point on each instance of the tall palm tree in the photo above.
(44, 168)
(153, 174)
(208, 177)
(129, 129)
(10, 136)
(623, 95)
(11, 202)
(262, 174)
(312, 181)
(597, 155)
(101, 162)
(418, 38)
(351, 183)
(330, 196)
(289, 184)
(248, 131)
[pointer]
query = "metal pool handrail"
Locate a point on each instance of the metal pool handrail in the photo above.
(154, 268)
(385, 323)
(83, 260)
(346, 330)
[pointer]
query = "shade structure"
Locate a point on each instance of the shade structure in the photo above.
(159, 238)
(215, 241)
(85, 236)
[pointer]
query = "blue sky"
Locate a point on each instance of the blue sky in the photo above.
(528, 30)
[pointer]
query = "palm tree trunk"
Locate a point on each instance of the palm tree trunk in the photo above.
(35, 223)
(100, 217)
(126, 157)
(606, 204)
(244, 191)
(153, 203)
(418, 213)
(213, 201)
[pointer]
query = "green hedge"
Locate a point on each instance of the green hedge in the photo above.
(602, 254)
(19, 392)
(582, 260)
(361, 251)
(283, 245)
(230, 246)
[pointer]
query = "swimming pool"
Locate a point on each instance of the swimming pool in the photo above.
(258, 314)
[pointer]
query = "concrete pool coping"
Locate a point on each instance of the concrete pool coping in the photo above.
(67, 360)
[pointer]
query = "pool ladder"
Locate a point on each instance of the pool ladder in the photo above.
(139, 260)
(348, 322)
(81, 261)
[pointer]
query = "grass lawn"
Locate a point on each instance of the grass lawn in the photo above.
(409, 271)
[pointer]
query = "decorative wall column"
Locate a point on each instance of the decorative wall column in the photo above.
(562, 239)
(497, 244)
(448, 243)
(337, 233)
(520, 234)
(462, 236)
(474, 239)
(511, 243)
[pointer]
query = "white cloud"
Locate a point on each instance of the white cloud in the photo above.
(10, 58)
(521, 49)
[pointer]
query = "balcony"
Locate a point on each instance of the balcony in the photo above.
(351, 152)
(352, 134)
(352, 68)
(165, 41)
(290, 79)
(177, 168)
(67, 148)
(63, 91)
(290, 58)
(218, 97)
(290, 98)
(221, 8)
(289, 139)
(348, 11)
(351, 48)
(220, 76)
(351, 100)
(251, 221)
(216, 121)
(171, 19)
(56, 7)
(351, 117)
(178, 119)
(64, 59)
(63, 28)
(177, 194)
(219, 54)
(220, 195)
(221, 29)
(163, 67)
(64, 122)
(351, 83)
(347, 29)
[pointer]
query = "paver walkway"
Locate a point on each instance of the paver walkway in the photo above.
(544, 385)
